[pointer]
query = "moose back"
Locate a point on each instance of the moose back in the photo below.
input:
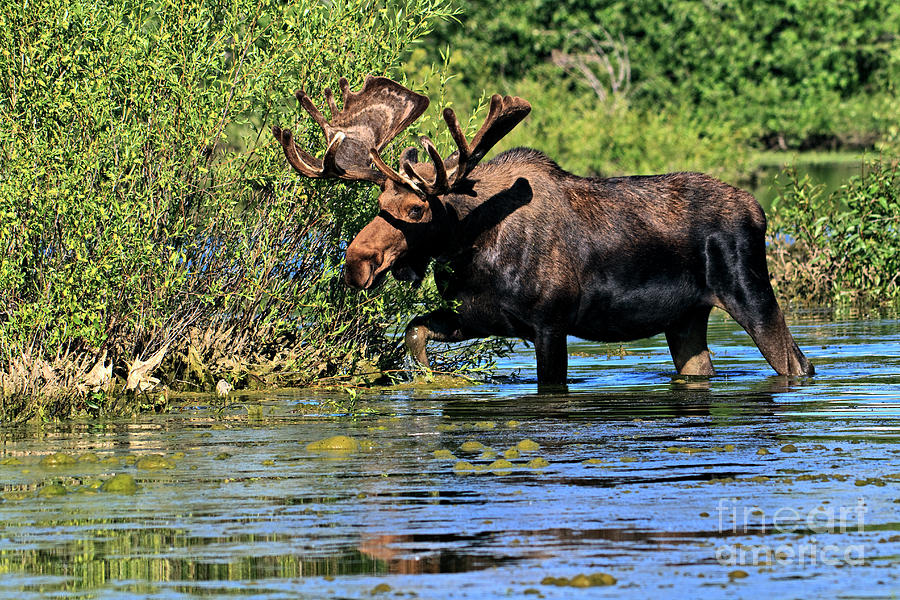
(538, 253)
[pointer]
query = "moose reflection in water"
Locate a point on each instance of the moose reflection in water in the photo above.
(538, 253)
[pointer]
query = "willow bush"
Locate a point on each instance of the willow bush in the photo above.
(148, 218)
(839, 248)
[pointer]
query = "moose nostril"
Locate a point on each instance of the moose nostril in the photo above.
(376, 257)
(360, 265)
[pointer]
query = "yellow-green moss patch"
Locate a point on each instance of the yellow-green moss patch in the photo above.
(120, 484)
(464, 466)
(472, 446)
(52, 490)
(337, 443)
(58, 459)
(501, 466)
(154, 461)
(527, 445)
(581, 580)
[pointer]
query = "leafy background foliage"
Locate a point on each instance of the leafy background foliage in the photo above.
(709, 81)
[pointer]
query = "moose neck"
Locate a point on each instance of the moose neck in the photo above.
(470, 218)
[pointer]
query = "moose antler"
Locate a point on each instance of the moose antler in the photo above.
(370, 119)
(504, 114)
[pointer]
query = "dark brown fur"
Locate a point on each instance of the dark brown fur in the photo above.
(538, 253)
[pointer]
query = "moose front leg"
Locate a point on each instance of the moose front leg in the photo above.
(440, 326)
(552, 356)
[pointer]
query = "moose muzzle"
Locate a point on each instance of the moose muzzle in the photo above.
(372, 253)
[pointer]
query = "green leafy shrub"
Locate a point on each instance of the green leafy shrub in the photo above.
(146, 211)
(841, 248)
(590, 137)
(806, 73)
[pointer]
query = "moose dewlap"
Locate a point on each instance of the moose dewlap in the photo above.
(539, 253)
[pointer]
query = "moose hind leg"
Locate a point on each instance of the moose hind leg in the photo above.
(439, 326)
(687, 343)
(552, 359)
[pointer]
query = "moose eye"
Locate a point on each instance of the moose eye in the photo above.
(415, 213)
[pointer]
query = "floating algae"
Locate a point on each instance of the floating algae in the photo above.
(513, 424)
(472, 446)
(337, 444)
(762, 452)
(381, 588)
(120, 484)
(683, 450)
(89, 457)
(581, 580)
(485, 425)
(738, 574)
(537, 463)
(154, 461)
(51, 490)
(91, 485)
(15, 495)
(527, 445)
(11, 460)
(876, 481)
(222, 456)
(488, 454)
(58, 459)
(464, 466)
(501, 466)
(447, 427)
(511, 453)
(444, 454)
(789, 448)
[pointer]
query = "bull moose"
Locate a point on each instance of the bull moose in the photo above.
(538, 253)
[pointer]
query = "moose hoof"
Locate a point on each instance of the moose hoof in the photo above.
(415, 342)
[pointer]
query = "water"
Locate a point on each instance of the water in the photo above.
(249, 512)
(770, 180)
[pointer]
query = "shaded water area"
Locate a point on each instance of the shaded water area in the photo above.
(830, 172)
(737, 486)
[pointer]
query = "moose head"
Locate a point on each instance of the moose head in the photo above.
(408, 227)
